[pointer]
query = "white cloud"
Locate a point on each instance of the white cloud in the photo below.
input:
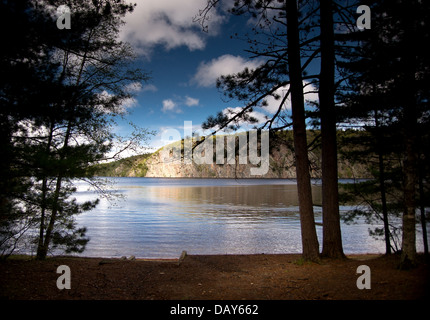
(310, 92)
(190, 102)
(167, 23)
(208, 72)
(259, 116)
(273, 104)
(134, 87)
(129, 103)
(173, 105)
(149, 87)
(170, 106)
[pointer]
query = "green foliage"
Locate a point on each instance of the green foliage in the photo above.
(66, 235)
(366, 196)
(124, 167)
(388, 92)
(61, 93)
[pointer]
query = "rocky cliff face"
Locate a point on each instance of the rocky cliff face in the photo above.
(281, 164)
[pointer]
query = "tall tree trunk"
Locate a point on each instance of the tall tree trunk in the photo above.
(332, 237)
(43, 247)
(422, 209)
(42, 250)
(384, 203)
(382, 188)
(408, 235)
(310, 246)
(5, 165)
(41, 253)
(408, 67)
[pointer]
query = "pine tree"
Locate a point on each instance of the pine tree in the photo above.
(276, 40)
(391, 81)
(84, 84)
(332, 237)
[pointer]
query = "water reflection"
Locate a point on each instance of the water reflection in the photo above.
(162, 217)
(239, 195)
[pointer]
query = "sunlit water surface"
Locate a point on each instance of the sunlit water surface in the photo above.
(159, 218)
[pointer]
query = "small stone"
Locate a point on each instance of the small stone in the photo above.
(132, 258)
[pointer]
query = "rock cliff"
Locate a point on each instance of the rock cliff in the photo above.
(169, 162)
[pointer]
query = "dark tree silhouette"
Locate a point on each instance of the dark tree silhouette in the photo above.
(79, 85)
(390, 78)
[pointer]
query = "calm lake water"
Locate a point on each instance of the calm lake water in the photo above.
(159, 218)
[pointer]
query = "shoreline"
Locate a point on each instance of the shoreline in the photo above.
(213, 277)
(183, 255)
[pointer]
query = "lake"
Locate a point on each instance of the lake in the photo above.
(161, 217)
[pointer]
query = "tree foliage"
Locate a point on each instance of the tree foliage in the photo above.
(290, 38)
(58, 120)
(388, 92)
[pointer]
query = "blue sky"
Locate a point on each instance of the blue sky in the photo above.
(184, 63)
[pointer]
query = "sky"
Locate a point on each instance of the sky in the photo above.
(183, 62)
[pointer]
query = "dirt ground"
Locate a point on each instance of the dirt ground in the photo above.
(218, 277)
